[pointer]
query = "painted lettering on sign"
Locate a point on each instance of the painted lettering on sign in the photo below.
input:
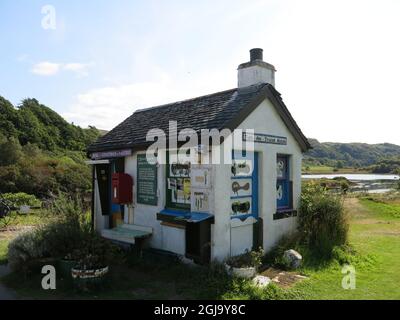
(112, 154)
(146, 181)
(264, 138)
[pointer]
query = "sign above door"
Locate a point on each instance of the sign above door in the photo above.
(111, 154)
(264, 138)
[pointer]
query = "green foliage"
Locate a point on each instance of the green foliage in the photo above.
(26, 248)
(388, 165)
(68, 232)
(20, 199)
(248, 259)
(322, 221)
(275, 255)
(354, 155)
(390, 210)
(41, 153)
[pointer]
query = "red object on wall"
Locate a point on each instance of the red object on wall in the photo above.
(122, 185)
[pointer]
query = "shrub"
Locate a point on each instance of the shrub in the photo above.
(322, 221)
(247, 259)
(25, 248)
(21, 198)
(68, 228)
(95, 252)
(68, 232)
(275, 256)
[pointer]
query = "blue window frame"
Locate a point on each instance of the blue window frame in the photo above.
(283, 184)
(244, 185)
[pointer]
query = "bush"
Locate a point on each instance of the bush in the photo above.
(275, 256)
(247, 259)
(21, 198)
(322, 221)
(26, 248)
(68, 233)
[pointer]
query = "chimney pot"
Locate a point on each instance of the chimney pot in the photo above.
(256, 54)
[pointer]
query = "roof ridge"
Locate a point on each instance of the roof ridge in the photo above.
(185, 100)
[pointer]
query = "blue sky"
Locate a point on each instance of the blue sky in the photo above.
(338, 61)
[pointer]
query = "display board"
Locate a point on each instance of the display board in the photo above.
(178, 183)
(244, 185)
(201, 193)
(146, 181)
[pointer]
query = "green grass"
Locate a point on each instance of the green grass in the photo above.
(328, 169)
(374, 235)
(385, 210)
(3, 251)
(34, 218)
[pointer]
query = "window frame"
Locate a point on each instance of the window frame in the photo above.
(286, 182)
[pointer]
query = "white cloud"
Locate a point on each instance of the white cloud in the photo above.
(46, 68)
(106, 107)
(80, 69)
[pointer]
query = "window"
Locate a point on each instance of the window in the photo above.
(178, 184)
(283, 183)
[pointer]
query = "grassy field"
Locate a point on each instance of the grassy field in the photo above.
(17, 221)
(374, 234)
(328, 169)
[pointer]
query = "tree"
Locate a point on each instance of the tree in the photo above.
(11, 151)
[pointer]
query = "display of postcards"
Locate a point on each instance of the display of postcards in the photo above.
(201, 177)
(171, 183)
(241, 206)
(181, 193)
(241, 167)
(241, 187)
(200, 201)
(179, 169)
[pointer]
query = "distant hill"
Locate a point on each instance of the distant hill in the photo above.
(40, 152)
(350, 154)
(35, 123)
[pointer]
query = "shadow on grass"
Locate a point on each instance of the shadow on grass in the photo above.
(153, 276)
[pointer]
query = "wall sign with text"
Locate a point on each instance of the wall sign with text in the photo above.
(146, 181)
(111, 154)
(264, 138)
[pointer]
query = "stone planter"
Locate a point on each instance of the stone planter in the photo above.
(87, 279)
(246, 272)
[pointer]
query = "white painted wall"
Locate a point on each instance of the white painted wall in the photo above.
(100, 222)
(264, 119)
(255, 74)
(146, 215)
(227, 237)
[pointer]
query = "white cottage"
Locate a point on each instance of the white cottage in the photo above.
(199, 209)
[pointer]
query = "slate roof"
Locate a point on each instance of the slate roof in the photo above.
(226, 109)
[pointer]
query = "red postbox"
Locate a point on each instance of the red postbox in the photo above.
(122, 185)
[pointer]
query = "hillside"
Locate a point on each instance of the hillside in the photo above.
(41, 153)
(356, 155)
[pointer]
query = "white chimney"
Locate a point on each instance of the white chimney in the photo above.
(256, 70)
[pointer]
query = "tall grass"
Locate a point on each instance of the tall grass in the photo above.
(323, 223)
